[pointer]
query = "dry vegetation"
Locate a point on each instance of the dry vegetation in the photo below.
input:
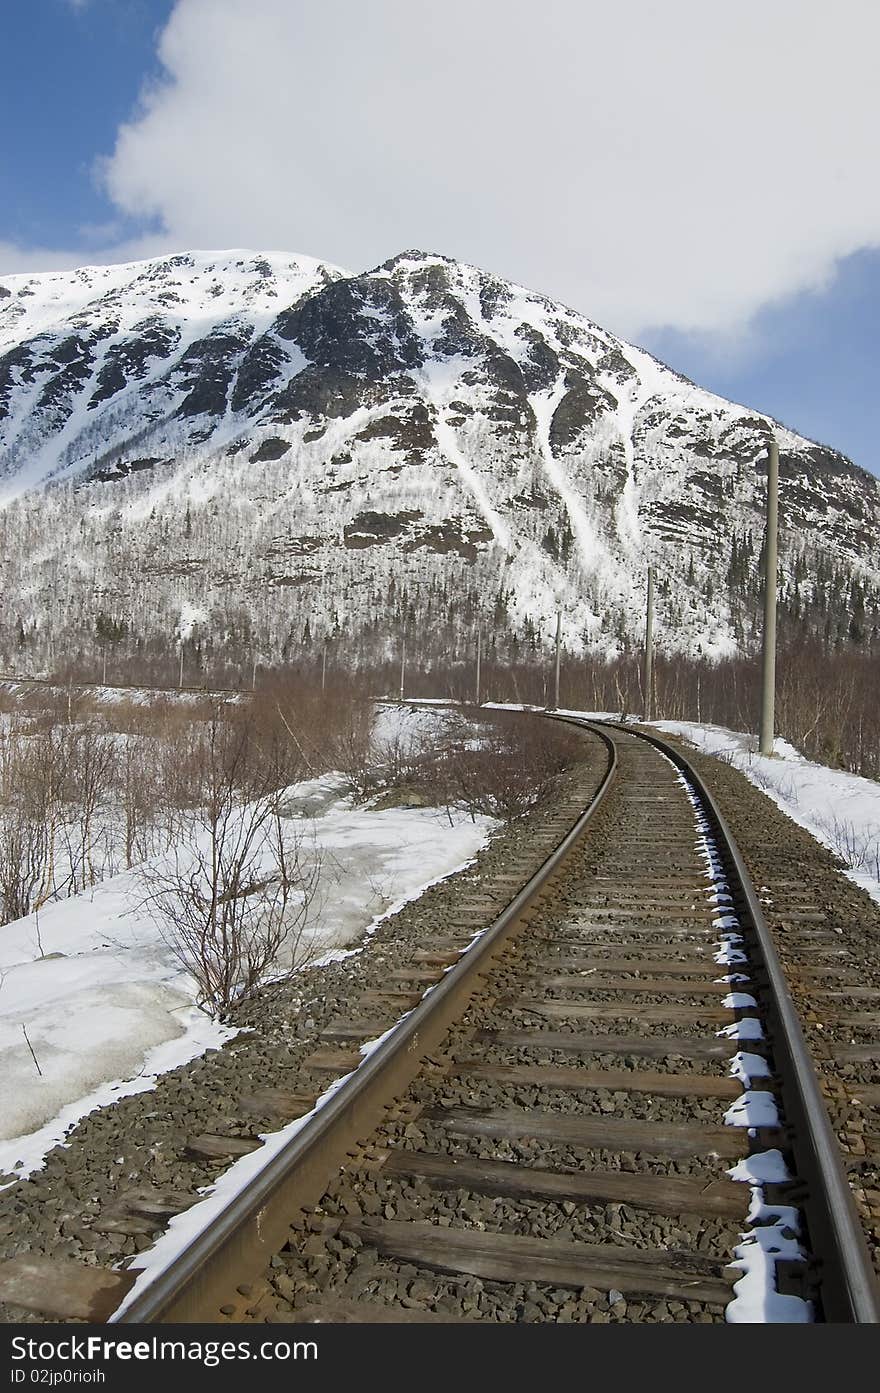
(192, 792)
(91, 786)
(826, 702)
(233, 894)
(501, 767)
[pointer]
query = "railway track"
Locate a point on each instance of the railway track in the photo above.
(549, 1131)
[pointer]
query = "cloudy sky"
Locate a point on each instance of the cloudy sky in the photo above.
(696, 175)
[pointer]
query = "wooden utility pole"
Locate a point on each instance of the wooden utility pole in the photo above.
(324, 667)
(180, 678)
(479, 655)
(558, 651)
(402, 663)
(768, 666)
(648, 672)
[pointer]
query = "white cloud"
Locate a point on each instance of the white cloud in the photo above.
(676, 163)
(18, 260)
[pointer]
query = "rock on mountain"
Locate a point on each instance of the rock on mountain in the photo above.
(274, 448)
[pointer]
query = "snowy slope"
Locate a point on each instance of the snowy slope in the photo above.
(98, 353)
(280, 445)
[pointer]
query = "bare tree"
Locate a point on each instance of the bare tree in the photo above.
(90, 771)
(33, 769)
(138, 795)
(233, 896)
(93, 768)
(514, 761)
(23, 855)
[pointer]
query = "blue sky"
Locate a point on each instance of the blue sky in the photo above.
(810, 361)
(615, 167)
(72, 74)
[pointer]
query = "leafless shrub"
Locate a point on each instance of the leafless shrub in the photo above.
(34, 773)
(137, 791)
(857, 847)
(399, 757)
(307, 729)
(23, 856)
(355, 753)
(233, 897)
(92, 771)
(514, 763)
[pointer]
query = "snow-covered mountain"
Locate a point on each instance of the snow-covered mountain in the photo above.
(272, 446)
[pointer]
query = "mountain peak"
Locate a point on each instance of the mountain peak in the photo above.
(426, 423)
(416, 256)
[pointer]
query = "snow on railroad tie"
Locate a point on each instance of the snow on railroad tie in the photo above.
(754, 1108)
(774, 1235)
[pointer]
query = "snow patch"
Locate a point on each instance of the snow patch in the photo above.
(107, 1009)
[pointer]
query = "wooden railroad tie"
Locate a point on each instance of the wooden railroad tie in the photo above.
(658, 1194)
(62, 1288)
(677, 1140)
(500, 1257)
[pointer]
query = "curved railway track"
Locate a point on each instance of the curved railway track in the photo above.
(548, 1131)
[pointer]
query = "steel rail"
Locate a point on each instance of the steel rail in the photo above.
(849, 1288)
(256, 1223)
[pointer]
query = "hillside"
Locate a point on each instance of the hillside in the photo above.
(258, 451)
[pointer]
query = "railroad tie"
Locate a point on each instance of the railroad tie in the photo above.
(657, 1194)
(502, 1257)
(679, 1141)
(63, 1288)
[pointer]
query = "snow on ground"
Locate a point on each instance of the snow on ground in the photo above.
(93, 989)
(409, 727)
(20, 689)
(841, 810)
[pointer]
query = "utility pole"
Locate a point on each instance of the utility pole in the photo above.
(648, 676)
(558, 651)
(254, 676)
(402, 663)
(768, 665)
(180, 678)
(479, 655)
(324, 666)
